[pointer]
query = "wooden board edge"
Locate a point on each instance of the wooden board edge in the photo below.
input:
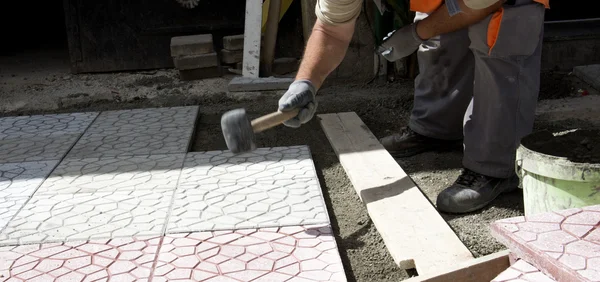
(402, 260)
(483, 268)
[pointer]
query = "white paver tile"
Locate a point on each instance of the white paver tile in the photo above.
(22, 179)
(8, 208)
(278, 163)
(86, 216)
(247, 205)
(44, 125)
(110, 174)
(138, 132)
(36, 148)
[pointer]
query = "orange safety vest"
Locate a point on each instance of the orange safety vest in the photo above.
(428, 6)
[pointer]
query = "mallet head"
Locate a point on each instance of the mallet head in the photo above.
(237, 131)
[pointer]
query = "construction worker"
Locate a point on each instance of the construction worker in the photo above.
(478, 84)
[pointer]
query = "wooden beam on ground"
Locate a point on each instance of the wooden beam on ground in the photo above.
(308, 17)
(252, 34)
(480, 269)
(412, 229)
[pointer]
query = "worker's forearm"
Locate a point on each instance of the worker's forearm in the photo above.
(325, 50)
(440, 21)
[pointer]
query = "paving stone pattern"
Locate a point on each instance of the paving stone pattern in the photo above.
(117, 196)
(522, 271)
(138, 132)
(565, 245)
(292, 253)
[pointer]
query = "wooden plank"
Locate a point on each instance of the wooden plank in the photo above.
(480, 269)
(412, 229)
(252, 34)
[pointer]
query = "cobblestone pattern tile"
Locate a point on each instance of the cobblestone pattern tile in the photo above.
(138, 132)
(112, 174)
(8, 208)
(44, 125)
(247, 205)
(278, 163)
(121, 259)
(86, 216)
(522, 271)
(563, 244)
(271, 254)
(22, 179)
(36, 148)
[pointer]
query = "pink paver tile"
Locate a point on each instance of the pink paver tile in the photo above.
(121, 259)
(303, 253)
(562, 244)
(522, 271)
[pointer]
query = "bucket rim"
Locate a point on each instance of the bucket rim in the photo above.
(565, 160)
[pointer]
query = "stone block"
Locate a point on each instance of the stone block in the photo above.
(191, 45)
(196, 61)
(241, 84)
(564, 245)
(231, 57)
(197, 74)
(285, 65)
(233, 42)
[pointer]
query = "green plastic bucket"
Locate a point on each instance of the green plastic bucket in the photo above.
(553, 183)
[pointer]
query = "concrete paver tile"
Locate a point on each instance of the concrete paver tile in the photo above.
(244, 205)
(36, 148)
(138, 132)
(22, 179)
(522, 271)
(304, 253)
(564, 243)
(120, 259)
(278, 163)
(85, 216)
(44, 125)
(109, 174)
(8, 208)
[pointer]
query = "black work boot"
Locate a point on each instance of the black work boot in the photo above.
(473, 191)
(408, 143)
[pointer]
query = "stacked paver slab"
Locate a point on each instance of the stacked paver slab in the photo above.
(562, 245)
(129, 202)
(194, 56)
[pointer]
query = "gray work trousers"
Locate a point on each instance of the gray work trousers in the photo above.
(488, 97)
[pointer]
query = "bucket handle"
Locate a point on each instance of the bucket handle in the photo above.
(518, 171)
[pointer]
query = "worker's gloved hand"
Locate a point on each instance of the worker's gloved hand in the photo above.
(300, 95)
(400, 43)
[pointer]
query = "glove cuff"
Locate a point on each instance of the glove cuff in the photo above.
(308, 84)
(414, 32)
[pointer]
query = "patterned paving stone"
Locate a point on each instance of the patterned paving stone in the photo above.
(85, 216)
(564, 245)
(278, 163)
(22, 179)
(44, 125)
(522, 271)
(8, 208)
(247, 205)
(36, 148)
(271, 254)
(121, 259)
(138, 132)
(111, 174)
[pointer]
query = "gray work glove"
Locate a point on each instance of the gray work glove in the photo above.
(300, 95)
(400, 43)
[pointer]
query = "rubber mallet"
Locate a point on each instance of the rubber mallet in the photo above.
(239, 131)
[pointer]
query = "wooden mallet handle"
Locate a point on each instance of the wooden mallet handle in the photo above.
(271, 120)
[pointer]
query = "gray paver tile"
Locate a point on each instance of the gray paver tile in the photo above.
(22, 179)
(224, 206)
(44, 125)
(278, 163)
(110, 174)
(138, 132)
(86, 216)
(36, 148)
